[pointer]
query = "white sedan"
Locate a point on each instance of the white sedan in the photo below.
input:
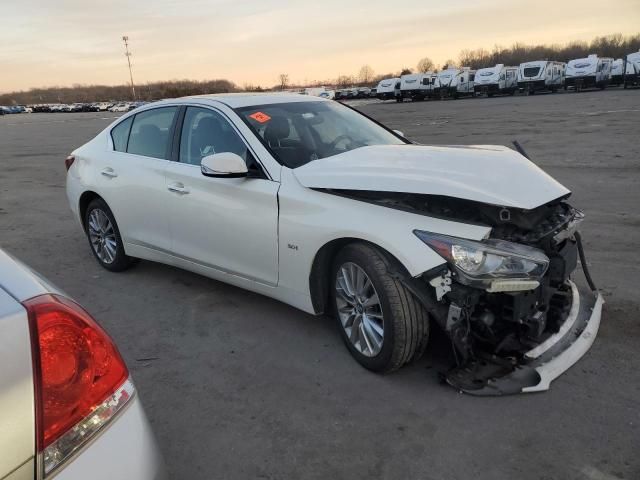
(68, 407)
(120, 107)
(310, 202)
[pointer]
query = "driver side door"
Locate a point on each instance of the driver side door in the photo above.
(229, 224)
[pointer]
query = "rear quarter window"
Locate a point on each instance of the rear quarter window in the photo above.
(120, 135)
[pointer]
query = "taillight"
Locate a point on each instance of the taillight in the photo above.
(80, 378)
(69, 161)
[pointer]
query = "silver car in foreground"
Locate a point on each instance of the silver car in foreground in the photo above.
(68, 407)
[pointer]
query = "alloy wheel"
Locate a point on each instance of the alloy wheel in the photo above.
(102, 236)
(359, 309)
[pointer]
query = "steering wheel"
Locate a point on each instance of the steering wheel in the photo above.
(338, 139)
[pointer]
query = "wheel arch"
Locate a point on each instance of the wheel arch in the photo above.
(83, 203)
(321, 269)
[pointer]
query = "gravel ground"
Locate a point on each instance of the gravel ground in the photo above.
(237, 385)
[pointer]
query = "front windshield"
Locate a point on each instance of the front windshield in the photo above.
(297, 133)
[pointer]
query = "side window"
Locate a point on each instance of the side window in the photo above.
(151, 132)
(206, 132)
(120, 135)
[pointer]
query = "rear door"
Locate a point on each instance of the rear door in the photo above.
(230, 224)
(132, 177)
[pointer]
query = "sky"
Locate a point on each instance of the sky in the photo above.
(250, 42)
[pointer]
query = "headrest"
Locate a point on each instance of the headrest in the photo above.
(209, 124)
(277, 129)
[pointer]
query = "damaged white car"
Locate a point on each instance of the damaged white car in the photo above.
(310, 202)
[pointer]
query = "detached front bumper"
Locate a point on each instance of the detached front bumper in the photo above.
(542, 364)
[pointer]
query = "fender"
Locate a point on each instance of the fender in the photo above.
(310, 219)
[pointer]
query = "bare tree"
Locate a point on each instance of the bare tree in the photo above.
(344, 81)
(425, 65)
(449, 64)
(284, 81)
(366, 74)
(405, 71)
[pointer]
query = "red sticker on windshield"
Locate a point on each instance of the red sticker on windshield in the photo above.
(260, 117)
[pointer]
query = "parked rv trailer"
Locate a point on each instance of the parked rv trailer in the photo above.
(454, 83)
(617, 72)
(632, 70)
(416, 86)
(496, 80)
(386, 89)
(541, 75)
(590, 72)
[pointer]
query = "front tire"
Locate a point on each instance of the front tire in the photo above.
(104, 237)
(382, 324)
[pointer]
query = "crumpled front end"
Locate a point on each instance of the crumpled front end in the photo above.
(515, 319)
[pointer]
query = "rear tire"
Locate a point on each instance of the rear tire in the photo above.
(104, 237)
(400, 317)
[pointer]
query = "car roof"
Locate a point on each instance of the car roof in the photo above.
(248, 99)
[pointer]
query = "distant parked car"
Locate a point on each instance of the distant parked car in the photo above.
(69, 406)
(90, 107)
(2, 111)
(363, 92)
(134, 105)
(373, 92)
(120, 107)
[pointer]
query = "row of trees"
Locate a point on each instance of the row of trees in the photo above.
(614, 46)
(94, 93)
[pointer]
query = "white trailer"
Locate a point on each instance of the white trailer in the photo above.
(632, 70)
(617, 72)
(541, 75)
(496, 80)
(417, 86)
(590, 72)
(386, 89)
(454, 82)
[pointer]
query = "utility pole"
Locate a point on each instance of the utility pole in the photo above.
(125, 39)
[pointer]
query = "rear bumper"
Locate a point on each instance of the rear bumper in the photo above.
(532, 85)
(126, 449)
(587, 81)
(551, 358)
(413, 93)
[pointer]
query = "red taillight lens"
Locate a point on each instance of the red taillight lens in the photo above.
(69, 161)
(77, 366)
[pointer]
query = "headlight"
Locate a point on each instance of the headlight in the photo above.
(479, 263)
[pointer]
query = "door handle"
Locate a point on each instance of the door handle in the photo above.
(109, 172)
(178, 188)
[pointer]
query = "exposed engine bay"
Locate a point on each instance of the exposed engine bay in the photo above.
(493, 323)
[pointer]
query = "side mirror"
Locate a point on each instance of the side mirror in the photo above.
(223, 165)
(398, 132)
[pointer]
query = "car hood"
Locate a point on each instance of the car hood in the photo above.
(488, 174)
